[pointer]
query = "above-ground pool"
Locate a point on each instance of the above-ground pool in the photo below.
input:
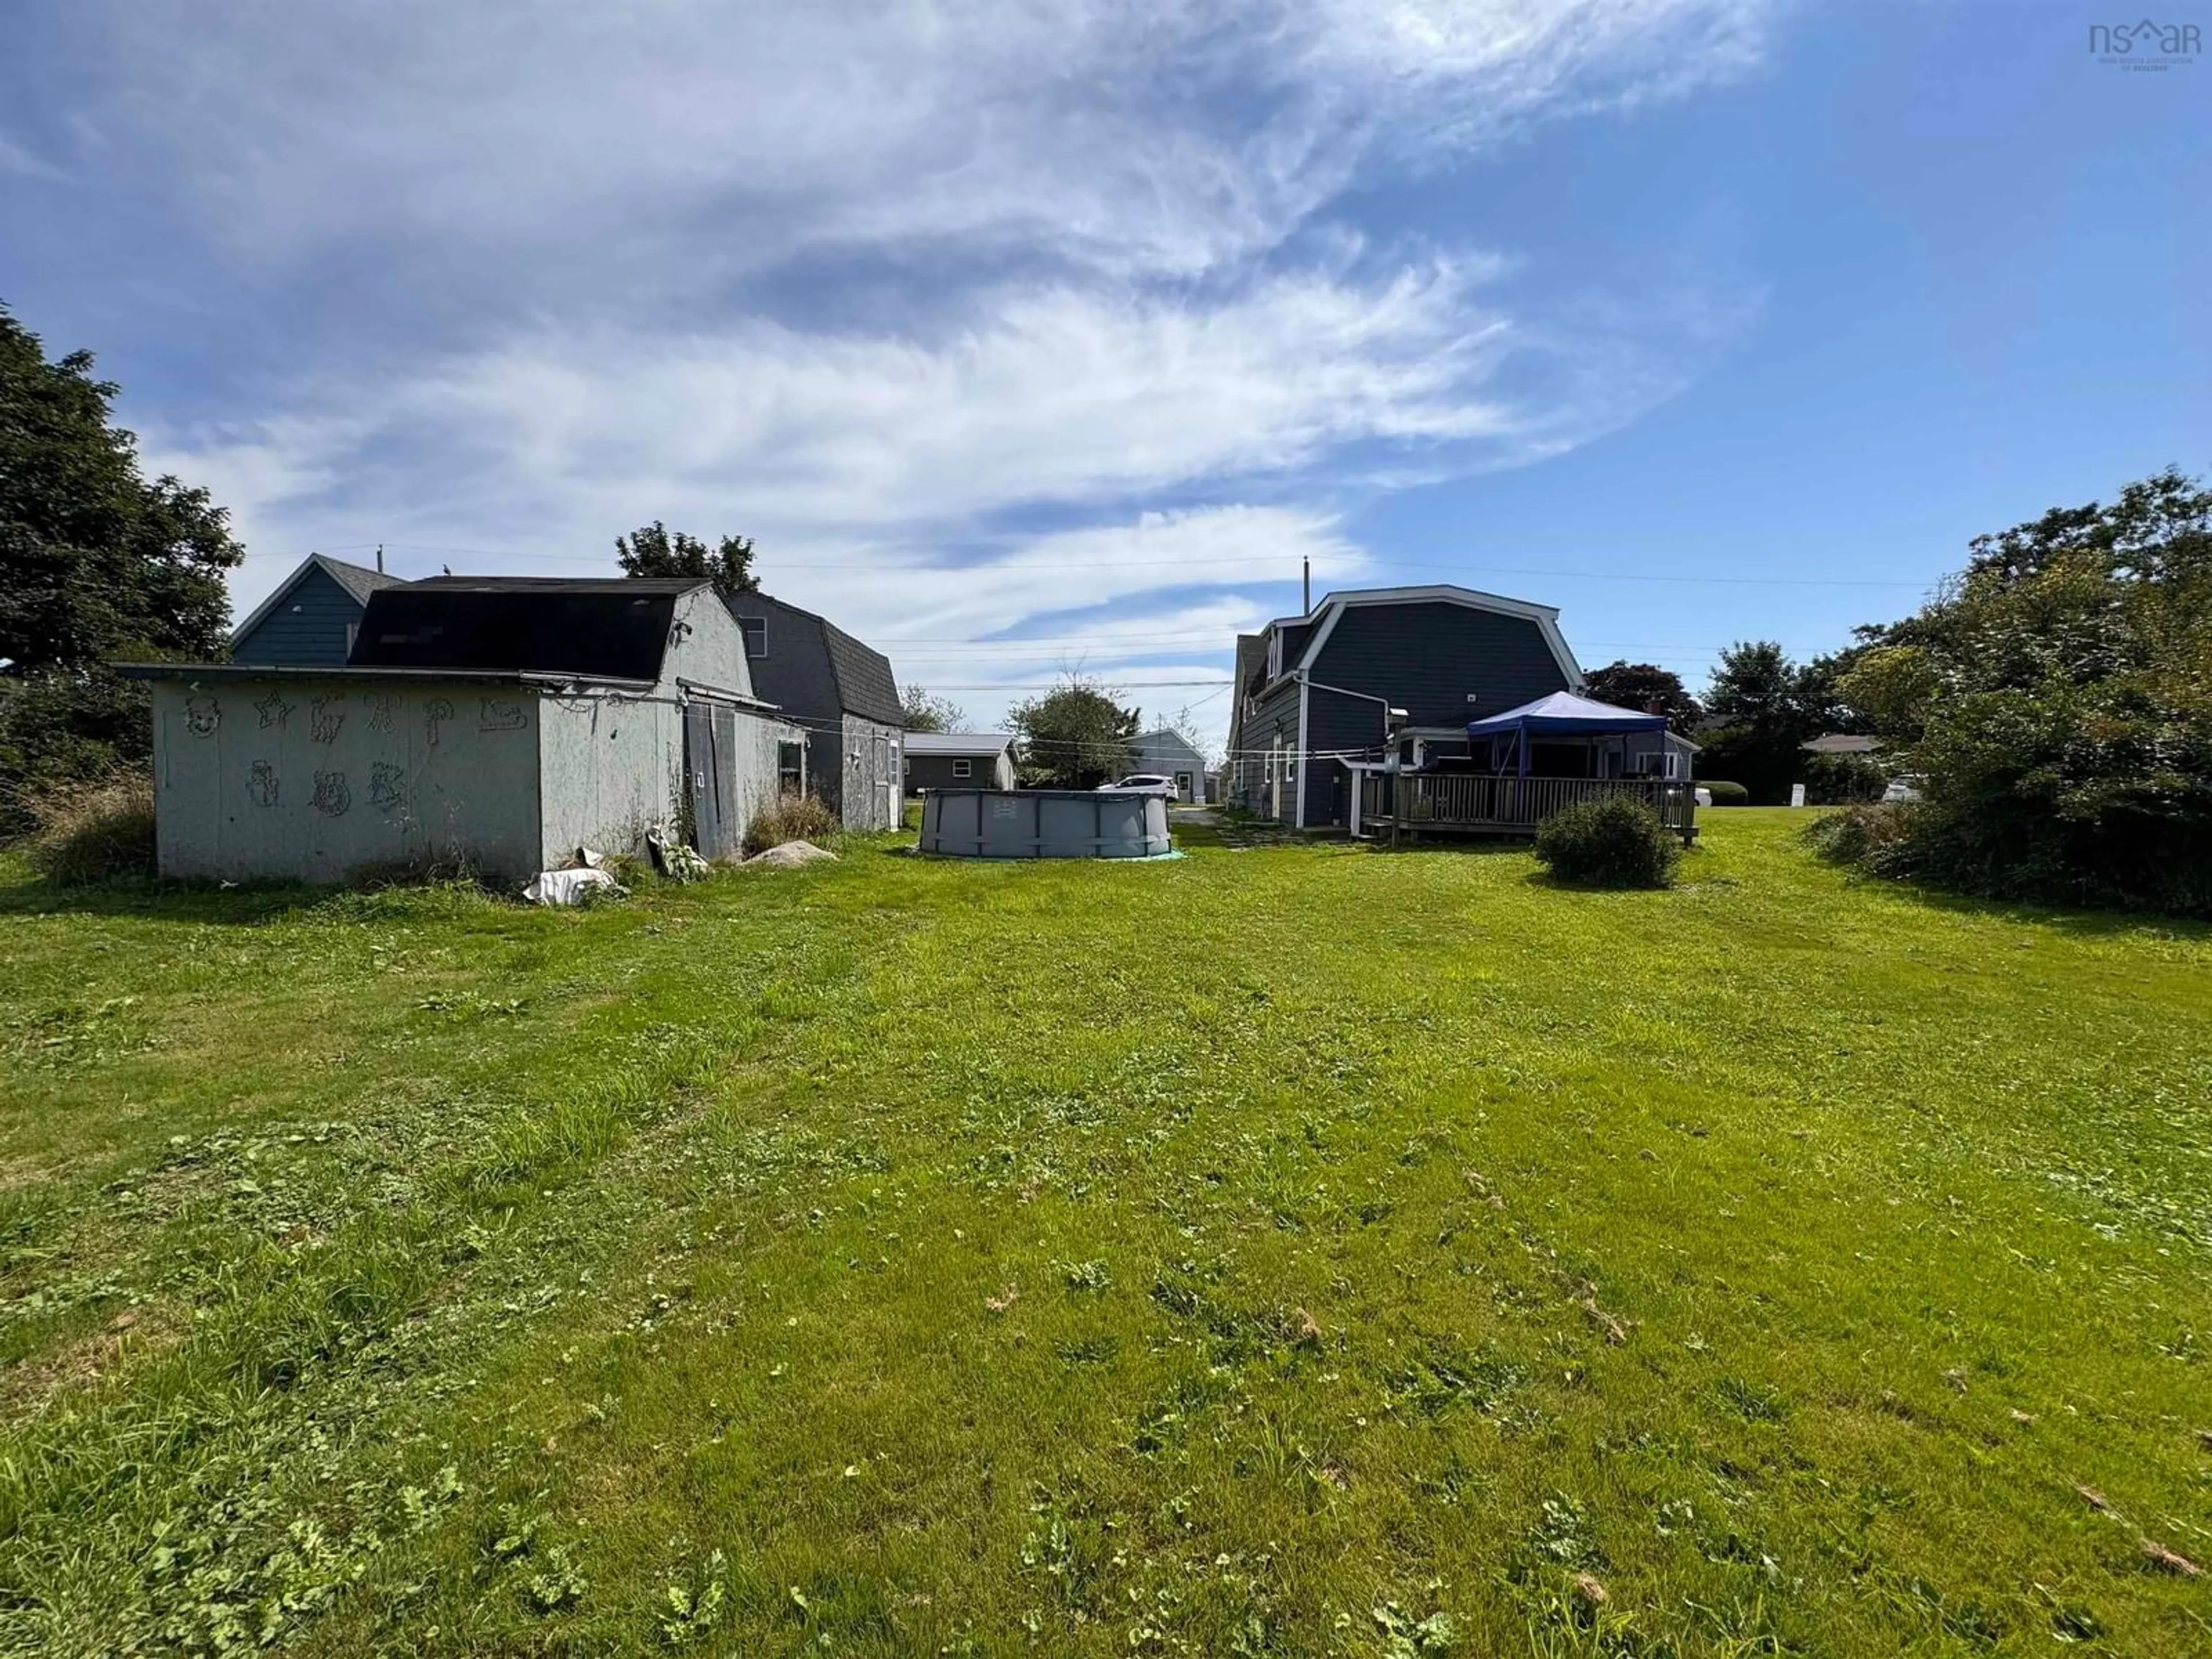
(1044, 824)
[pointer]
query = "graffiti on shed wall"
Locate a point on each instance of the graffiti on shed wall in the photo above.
(313, 781)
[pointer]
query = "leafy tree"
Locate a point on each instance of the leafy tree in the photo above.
(926, 713)
(2057, 699)
(96, 563)
(654, 550)
(1646, 687)
(1761, 707)
(1752, 685)
(1074, 737)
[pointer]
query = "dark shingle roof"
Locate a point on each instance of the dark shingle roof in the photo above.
(1251, 653)
(546, 625)
(358, 581)
(864, 677)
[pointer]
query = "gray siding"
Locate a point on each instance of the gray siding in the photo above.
(848, 752)
(705, 646)
(1444, 665)
(308, 780)
(1167, 753)
(935, 772)
(866, 772)
(308, 626)
(610, 768)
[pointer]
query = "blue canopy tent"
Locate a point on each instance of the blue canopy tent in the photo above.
(1562, 714)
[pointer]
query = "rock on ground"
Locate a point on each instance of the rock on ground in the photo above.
(790, 856)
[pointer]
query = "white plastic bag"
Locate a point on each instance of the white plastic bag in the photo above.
(569, 886)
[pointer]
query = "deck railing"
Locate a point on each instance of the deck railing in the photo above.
(1462, 800)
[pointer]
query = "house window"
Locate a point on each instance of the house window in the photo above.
(353, 632)
(1274, 656)
(756, 632)
(963, 769)
(791, 766)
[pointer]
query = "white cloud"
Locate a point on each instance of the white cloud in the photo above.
(1164, 137)
(1152, 569)
(875, 282)
(1056, 396)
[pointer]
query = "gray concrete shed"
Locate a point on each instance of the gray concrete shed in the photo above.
(315, 772)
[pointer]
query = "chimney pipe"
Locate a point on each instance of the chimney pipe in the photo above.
(1305, 585)
(380, 558)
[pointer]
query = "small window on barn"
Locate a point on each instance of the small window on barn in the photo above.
(963, 767)
(755, 631)
(791, 765)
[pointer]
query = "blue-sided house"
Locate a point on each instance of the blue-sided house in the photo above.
(313, 617)
(1338, 708)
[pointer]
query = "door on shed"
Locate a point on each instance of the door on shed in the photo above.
(710, 743)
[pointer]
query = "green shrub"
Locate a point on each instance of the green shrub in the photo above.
(1844, 780)
(63, 730)
(1726, 794)
(2055, 704)
(794, 816)
(1613, 842)
(93, 832)
(1877, 838)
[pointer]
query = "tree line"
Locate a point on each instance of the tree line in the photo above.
(2051, 704)
(2053, 701)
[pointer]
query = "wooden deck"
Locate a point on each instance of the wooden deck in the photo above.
(1475, 804)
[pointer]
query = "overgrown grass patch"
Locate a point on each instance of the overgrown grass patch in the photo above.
(1287, 1251)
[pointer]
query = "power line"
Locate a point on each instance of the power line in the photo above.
(1018, 567)
(1054, 685)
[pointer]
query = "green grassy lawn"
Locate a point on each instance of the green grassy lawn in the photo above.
(1298, 1250)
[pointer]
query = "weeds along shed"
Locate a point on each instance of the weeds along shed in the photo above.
(498, 722)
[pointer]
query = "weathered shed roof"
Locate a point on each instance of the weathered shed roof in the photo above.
(451, 584)
(617, 628)
(313, 670)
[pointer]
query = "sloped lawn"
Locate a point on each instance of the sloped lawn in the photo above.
(1298, 1250)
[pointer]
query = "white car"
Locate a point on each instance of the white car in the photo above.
(1150, 783)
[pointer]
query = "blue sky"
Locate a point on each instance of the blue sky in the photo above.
(1025, 336)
